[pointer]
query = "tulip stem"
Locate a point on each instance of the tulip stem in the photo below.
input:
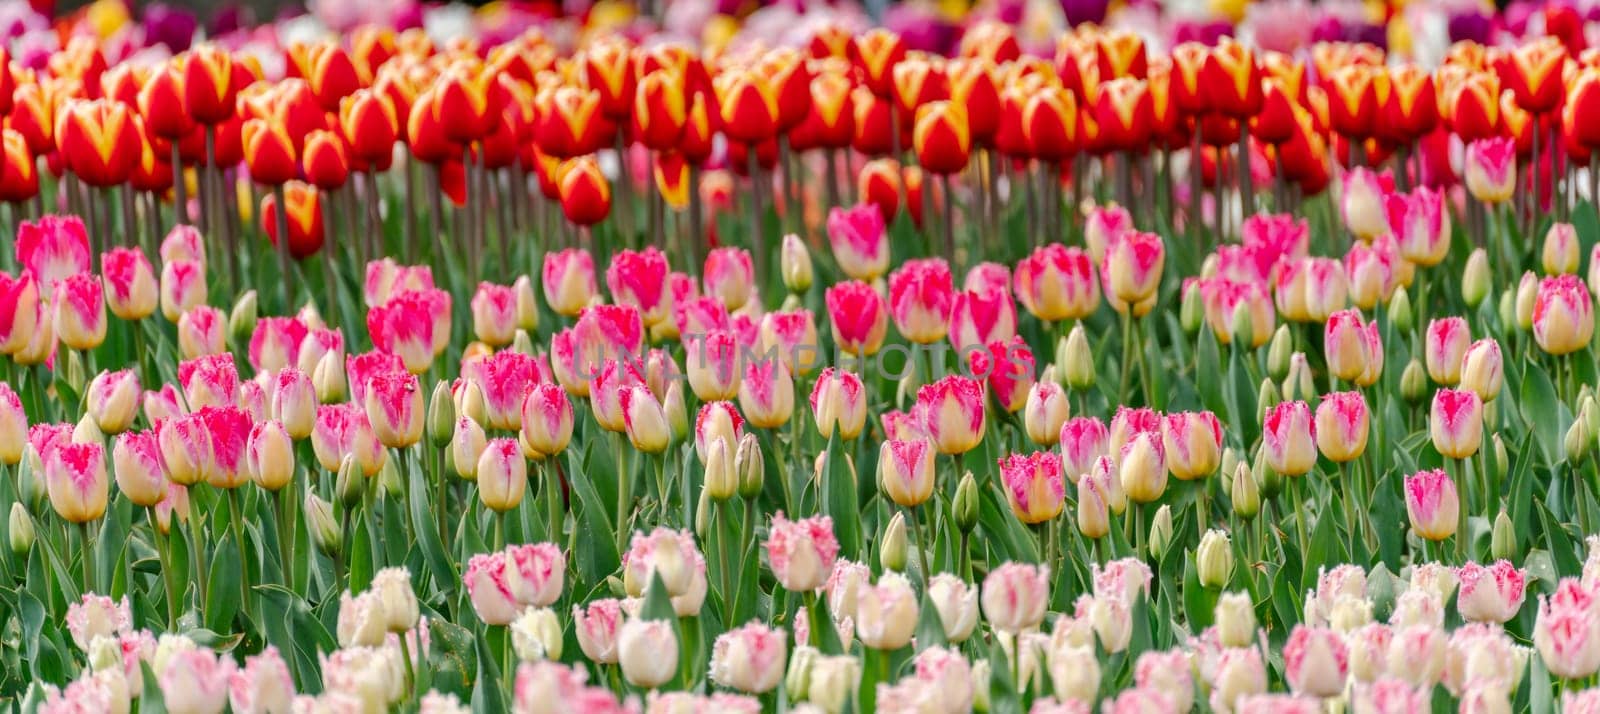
(88, 557)
(624, 491)
(949, 218)
(197, 552)
(244, 564)
(412, 684)
(757, 239)
(1297, 485)
(1462, 546)
(180, 201)
(285, 277)
(922, 547)
(1127, 353)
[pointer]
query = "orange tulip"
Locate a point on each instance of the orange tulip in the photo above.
(305, 218)
(324, 161)
(608, 70)
(585, 193)
(1232, 80)
(1412, 108)
(790, 79)
(973, 85)
(1120, 53)
(880, 183)
(1124, 113)
(371, 46)
(19, 173)
(368, 123)
(33, 116)
(1475, 108)
(942, 138)
(918, 81)
(269, 153)
(830, 123)
(1050, 123)
(1534, 75)
(875, 54)
(749, 105)
(208, 88)
(99, 140)
(122, 82)
(1275, 124)
(160, 102)
(1353, 100)
(1189, 61)
(1517, 123)
(681, 60)
(466, 101)
(571, 123)
(425, 131)
(660, 109)
(672, 179)
(871, 118)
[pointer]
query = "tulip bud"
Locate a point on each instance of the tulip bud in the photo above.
(1078, 365)
(325, 531)
(965, 507)
(1279, 352)
(350, 481)
(1244, 492)
(677, 412)
(750, 467)
(1268, 479)
(77, 374)
(1476, 280)
(1161, 532)
(441, 415)
(1414, 382)
(1269, 396)
(471, 403)
(1527, 294)
(721, 480)
(389, 478)
(1589, 411)
(1299, 384)
(1577, 442)
(242, 318)
(795, 262)
(702, 514)
(1503, 539)
(20, 535)
(522, 343)
(1214, 559)
(328, 378)
(1242, 325)
(87, 431)
(1500, 463)
(798, 676)
(1191, 312)
(1507, 309)
(1400, 310)
(892, 548)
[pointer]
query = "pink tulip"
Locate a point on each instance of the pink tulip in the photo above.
(162, 404)
(906, 471)
(567, 364)
(19, 311)
(643, 419)
(1345, 345)
(112, 400)
(80, 312)
(902, 425)
(1326, 288)
(859, 317)
(1482, 370)
(953, 408)
(1130, 422)
(502, 475)
(1456, 423)
(1007, 366)
(262, 685)
(13, 426)
(294, 402)
(1420, 223)
(1057, 283)
(1193, 444)
(1249, 263)
(713, 366)
(196, 680)
(75, 479)
(700, 316)
(802, 552)
(1563, 315)
(404, 327)
(186, 451)
(1567, 633)
(1169, 672)
(665, 553)
(597, 623)
(494, 314)
(95, 616)
(1103, 226)
(1276, 236)
(53, 249)
(1491, 594)
(1315, 661)
(1034, 485)
(639, 279)
(860, 241)
(1372, 272)
(1491, 169)
(547, 419)
(343, 430)
(839, 401)
(1278, 704)
(183, 287)
(1223, 299)
(605, 392)
(793, 334)
(505, 379)
(317, 344)
(183, 242)
(1045, 413)
(749, 659)
(920, 298)
(979, 318)
(229, 427)
(1341, 426)
(487, 588)
(202, 331)
(276, 343)
(609, 331)
(535, 573)
(269, 456)
(766, 393)
(395, 409)
(1139, 699)
(1446, 344)
(209, 381)
(1432, 504)
(385, 278)
(1015, 596)
(1361, 203)
(1289, 437)
(1083, 440)
(1131, 270)
(130, 283)
(986, 277)
(717, 420)
(730, 276)
(360, 369)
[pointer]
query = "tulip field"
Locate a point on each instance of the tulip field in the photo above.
(791, 357)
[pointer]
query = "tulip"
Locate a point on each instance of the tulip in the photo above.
(130, 283)
(547, 419)
(766, 393)
(502, 475)
(1142, 468)
(1563, 315)
(859, 317)
(860, 241)
(906, 471)
(1491, 170)
(713, 366)
(1432, 504)
(597, 624)
(749, 659)
(942, 137)
(1057, 283)
(802, 552)
(795, 264)
(954, 412)
(75, 478)
(982, 317)
(920, 299)
(1045, 413)
(643, 419)
(1315, 661)
(1192, 442)
(1447, 342)
(1341, 426)
(1565, 636)
(886, 613)
(729, 275)
(80, 312)
(229, 427)
(638, 279)
(1132, 268)
(183, 287)
(1481, 369)
(113, 400)
(467, 444)
(1362, 204)
(485, 580)
(1288, 434)
(569, 281)
(494, 314)
(136, 461)
(1491, 594)
(269, 456)
(648, 652)
(1455, 423)
(880, 184)
(585, 193)
(838, 400)
(19, 312)
(1083, 440)
(1420, 224)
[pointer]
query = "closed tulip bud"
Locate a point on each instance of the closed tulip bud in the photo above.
(1589, 411)
(648, 652)
(1476, 279)
(721, 481)
(1527, 295)
(644, 420)
(1455, 423)
(1289, 445)
(749, 466)
(892, 547)
(795, 262)
(502, 475)
(1270, 481)
(1269, 396)
(1503, 538)
(906, 471)
(1279, 352)
(1214, 559)
(1446, 343)
(677, 412)
(243, 317)
(1235, 616)
(441, 415)
(87, 432)
(1191, 311)
(1244, 492)
(349, 483)
(1576, 443)
(964, 509)
(324, 528)
(113, 400)
(329, 378)
(1161, 532)
(466, 446)
(1400, 309)
(1047, 409)
(1342, 425)
(1078, 367)
(1560, 251)
(1094, 513)
(270, 455)
(1482, 371)
(1500, 461)
(1432, 504)
(20, 530)
(1414, 382)
(522, 343)
(76, 372)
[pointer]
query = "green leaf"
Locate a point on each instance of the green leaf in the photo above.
(1199, 601)
(222, 586)
(930, 629)
(361, 556)
(1541, 411)
(596, 552)
(657, 602)
(841, 500)
(151, 700)
(426, 528)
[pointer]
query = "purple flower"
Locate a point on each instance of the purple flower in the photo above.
(170, 26)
